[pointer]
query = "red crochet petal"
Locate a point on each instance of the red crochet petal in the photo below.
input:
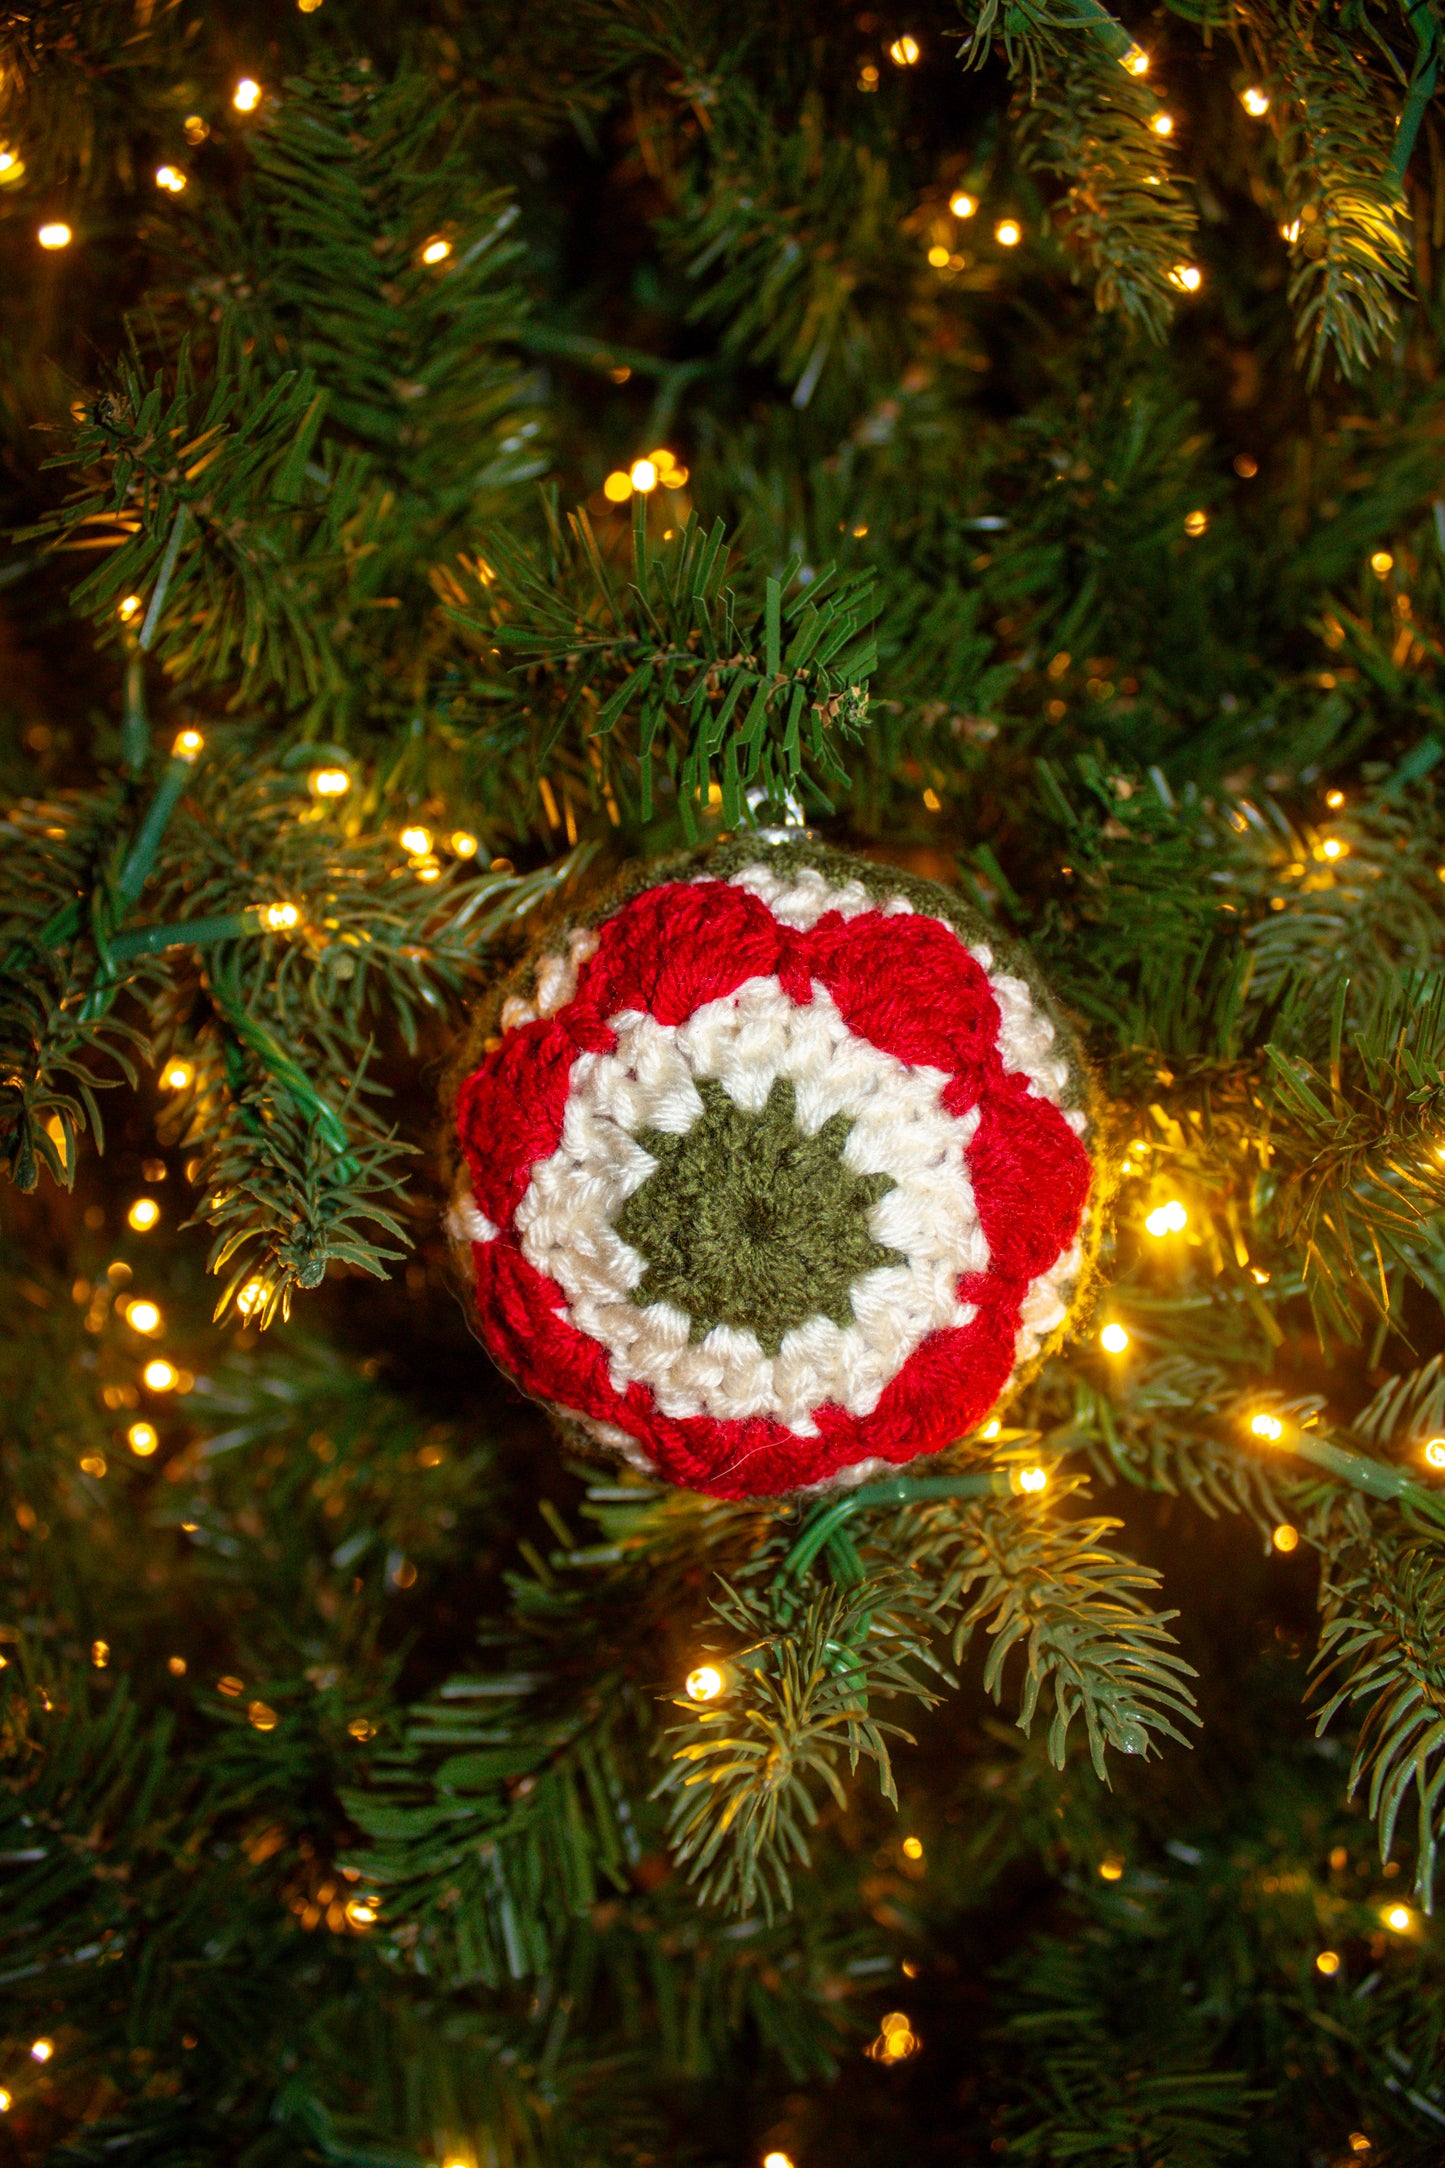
(909, 986)
(674, 947)
(1031, 1180)
(509, 1112)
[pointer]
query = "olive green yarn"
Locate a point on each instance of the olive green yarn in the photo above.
(748, 1222)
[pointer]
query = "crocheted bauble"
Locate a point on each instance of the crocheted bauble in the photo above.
(776, 1171)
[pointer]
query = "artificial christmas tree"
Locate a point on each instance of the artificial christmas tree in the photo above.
(454, 456)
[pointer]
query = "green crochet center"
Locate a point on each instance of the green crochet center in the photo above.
(750, 1223)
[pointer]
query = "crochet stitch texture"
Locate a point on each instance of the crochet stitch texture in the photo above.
(777, 1177)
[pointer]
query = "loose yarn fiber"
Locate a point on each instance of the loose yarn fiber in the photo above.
(776, 1171)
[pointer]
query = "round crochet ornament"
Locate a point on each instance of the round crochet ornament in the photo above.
(776, 1171)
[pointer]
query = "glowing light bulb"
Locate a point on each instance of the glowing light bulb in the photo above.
(912, 1848)
(416, 840)
(963, 205)
(1136, 60)
(160, 1376)
(143, 1317)
(1187, 276)
(1033, 1479)
(187, 745)
(1195, 523)
(464, 844)
(1113, 1339)
(437, 250)
(1267, 1426)
(126, 609)
(642, 474)
(247, 95)
(1332, 847)
(361, 1913)
(1162, 124)
(41, 2050)
(251, 1297)
(1328, 1962)
(1398, 1918)
(1255, 101)
(1008, 233)
(904, 51)
(1167, 1219)
(938, 257)
(177, 1075)
(1434, 1451)
(1290, 232)
(1334, 799)
(1285, 1537)
(100, 1654)
(4, 2101)
(142, 1438)
(330, 782)
(1111, 1869)
(704, 1684)
(176, 1666)
(171, 179)
(12, 167)
(143, 1214)
(1382, 564)
(992, 1428)
(54, 234)
(618, 487)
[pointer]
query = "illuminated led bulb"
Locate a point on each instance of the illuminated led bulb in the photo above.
(437, 250)
(912, 1848)
(100, 1654)
(963, 205)
(1162, 124)
(1255, 101)
(992, 1428)
(126, 609)
(426, 869)
(1332, 847)
(1328, 1962)
(1195, 523)
(142, 1438)
(1113, 1339)
(938, 257)
(1111, 1869)
(1398, 1918)
(642, 474)
(12, 167)
(329, 782)
(618, 487)
(187, 745)
(1434, 1451)
(54, 234)
(177, 1075)
(777, 2160)
(308, 7)
(1033, 1479)
(1334, 799)
(41, 2050)
(1187, 277)
(904, 51)
(143, 1317)
(464, 844)
(361, 1912)
(1136, 60)
(160, 1376)
(247, 95)
(416, 840)
(4, 2101)
(143, 1214)
(1381, 564)
(704, 1684)
(1267, 1426)
(280, 917)
(171, 179)
(251, 1297)
(1285, 1537)
(1008, 233)
(1167, 1219)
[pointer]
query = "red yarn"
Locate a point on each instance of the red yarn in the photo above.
(905, 983)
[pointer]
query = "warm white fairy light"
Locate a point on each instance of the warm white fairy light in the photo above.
(436, 250)
(962, 204)
(1008, 233)
(329, 782)
(41, 2050)
(1162, 124)
(177, 1075)
(1285, 1537)
(1135, 61)
(160, 1376)
(464, 844)
(1434, 1452)
(54, 234)
(642, 474)
(416, 840)
(1167, 1219)
(1398, 1918)
(143, 1316)
(127, 607)
(247, 95)
(1113, 1339)
(1187, 277)
(280, 917)
(142, 1438)
(1267, 1426)
(144, 1214)
(171, 179)
(187, 745)
(251, 1297)
(1033, 1479)
(904, 52)
(1255, 101)
(704, 1684)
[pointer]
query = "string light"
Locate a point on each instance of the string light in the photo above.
(100, 1654)
(904, 51)
(416, 840)
(1332, 847)
(464, 844)
(1328, 1962)
(642, 474)
(1033, 1479)
(1285, 1537)
(329, 782)
(1167, 1219)
(436, 250)
(12, 168)
(177, 1075)
(1255, 101)
(777, 2160)
(160, 1376)
(1195, 523)
(262, 1716)
(1399, 1919)
(280, 917)
(704, 1684)
(1334, 799)
(143, 1214)
(171, 179)
(41, 2050)
(54, 234)
(143, 1316)
(1267, 1426)
(251, 1297)
(126, 609)
(187, 745)
(938, 257)
(308, 7)
(1246, 466)
(1434, 1451)
(1382, 564)
(991, 1428)
(896, 2039)
(1187, 277)
(4, 2101)
(963, 205)
(1008, 233)
(1111, 1869)
(361, 1913)
(867, 76)
(142, 1438)
(195, 128)
(176, 1666)
(1162, 124)
(1113, 1339)
(912, 1848)
(1135, 61)
(618, 487)
(1361, 2142)
(247, 95)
